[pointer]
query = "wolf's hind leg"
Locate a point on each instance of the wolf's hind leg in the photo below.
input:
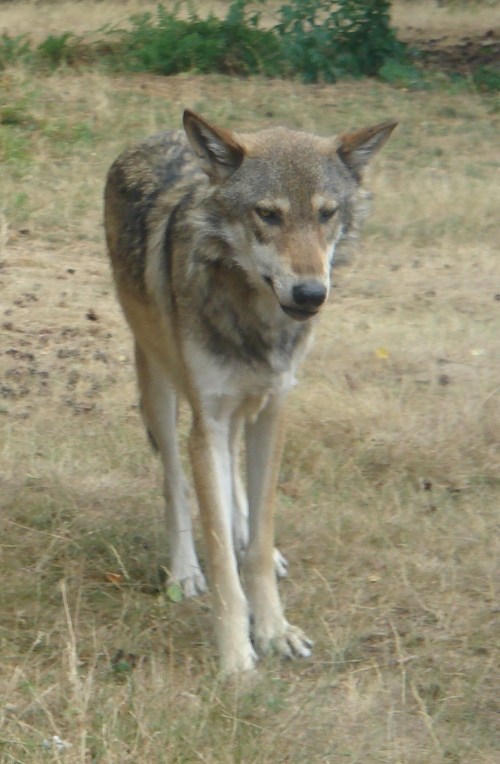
(159, 408)
(240, 505)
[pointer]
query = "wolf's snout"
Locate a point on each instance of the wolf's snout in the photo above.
(309, 295)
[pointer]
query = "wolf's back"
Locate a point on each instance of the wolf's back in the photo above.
(144, 184)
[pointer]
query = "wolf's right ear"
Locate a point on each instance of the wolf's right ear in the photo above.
(356, 149)
(219, 152)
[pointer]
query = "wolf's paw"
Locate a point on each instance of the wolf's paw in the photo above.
(291, 643)
(280, 564)
(236, 662)
(192, 585)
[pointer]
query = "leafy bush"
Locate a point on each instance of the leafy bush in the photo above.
(167, 44)
(58, 49)
(487, 78)
(13, 49)
(325, 40)
(53, 51)
(313, 39)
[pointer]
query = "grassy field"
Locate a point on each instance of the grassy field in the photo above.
(389, 494)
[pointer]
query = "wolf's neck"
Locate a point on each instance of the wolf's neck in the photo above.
(237, 321)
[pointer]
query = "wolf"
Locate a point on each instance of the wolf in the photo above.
(221, 246)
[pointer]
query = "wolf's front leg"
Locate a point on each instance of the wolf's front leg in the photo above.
(271, 630)
(159, 408)
(210, 453)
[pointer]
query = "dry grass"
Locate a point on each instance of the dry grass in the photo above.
(415, 19)
(389, 491)
(80, 18)
(86, 17)
(421, 19)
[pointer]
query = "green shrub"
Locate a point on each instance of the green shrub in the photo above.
(13, 49)
(167, 44)
(313, 39)
(53, 51)
(487, 78)
(58, 49)
(325, 40)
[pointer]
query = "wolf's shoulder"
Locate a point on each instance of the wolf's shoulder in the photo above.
(153, 165)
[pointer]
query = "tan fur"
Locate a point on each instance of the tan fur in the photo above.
(221, 247)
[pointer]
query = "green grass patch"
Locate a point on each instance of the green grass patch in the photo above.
(14, 146)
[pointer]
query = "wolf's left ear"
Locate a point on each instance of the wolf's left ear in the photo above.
(219, 152)
(357, 148)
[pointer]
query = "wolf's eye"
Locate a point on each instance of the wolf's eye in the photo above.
(273, 217)
(327, 214)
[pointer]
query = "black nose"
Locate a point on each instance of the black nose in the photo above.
(309, 294)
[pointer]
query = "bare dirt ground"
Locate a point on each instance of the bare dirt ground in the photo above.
(463, 57)
(451, 37)
(455, 53)
(389, 491)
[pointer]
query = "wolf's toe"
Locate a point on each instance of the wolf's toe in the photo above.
(298, 642)
(192, 585)
(239, 663)
(280, 564)
(291, 643)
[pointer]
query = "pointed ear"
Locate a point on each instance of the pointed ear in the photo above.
(357, 148)
(218, 150)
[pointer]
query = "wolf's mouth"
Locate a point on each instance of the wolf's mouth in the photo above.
(298, 314)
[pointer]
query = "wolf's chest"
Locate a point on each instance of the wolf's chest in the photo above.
(236, 334)
(235, 383)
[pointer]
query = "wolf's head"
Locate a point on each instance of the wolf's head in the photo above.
(282, 200)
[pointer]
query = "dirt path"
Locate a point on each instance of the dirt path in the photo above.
(461, 56)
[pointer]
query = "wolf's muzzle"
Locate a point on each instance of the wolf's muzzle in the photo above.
(297, 313)
(309, 295)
